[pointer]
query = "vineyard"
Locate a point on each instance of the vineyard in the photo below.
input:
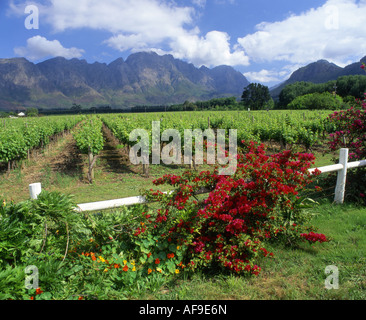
(247, 221)
(288, 128)
(20, 138)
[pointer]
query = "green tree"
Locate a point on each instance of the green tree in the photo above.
(317, 101)
(352, 86)
(292, 91)
(76, 107)
(345, 86)
(32, 112)
(270, 104)
(255, 96)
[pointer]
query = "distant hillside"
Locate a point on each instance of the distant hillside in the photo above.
(319, 72)
(143, 79)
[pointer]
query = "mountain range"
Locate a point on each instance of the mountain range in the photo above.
(143, 79)
(320, 72)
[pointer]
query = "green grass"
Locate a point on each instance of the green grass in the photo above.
(107, 185)
(324, 159)
(294, 273)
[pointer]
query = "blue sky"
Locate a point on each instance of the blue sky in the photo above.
(265, 40)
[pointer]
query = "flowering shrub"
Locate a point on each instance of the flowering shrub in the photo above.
(350, 129)
(313, 237)
(229, 229)
(350, 132)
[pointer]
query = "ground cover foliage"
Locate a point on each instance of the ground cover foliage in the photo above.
(136, 249)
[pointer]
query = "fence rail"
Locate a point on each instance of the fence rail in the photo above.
(341, 168)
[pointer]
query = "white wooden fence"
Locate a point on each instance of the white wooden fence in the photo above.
(342, 168)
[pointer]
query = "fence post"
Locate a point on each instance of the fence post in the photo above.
(342, 177)
(35, 189)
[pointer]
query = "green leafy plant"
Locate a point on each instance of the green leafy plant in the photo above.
(90, 141)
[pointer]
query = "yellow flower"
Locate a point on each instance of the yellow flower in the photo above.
(101, 259)
(105, 270)
(177, 271)
(159, 269)
(149, 271)
(178, 248)
(134, 269)
(124, 262)
(4, 203)
(133, 262)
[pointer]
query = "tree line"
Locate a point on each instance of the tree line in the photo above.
(30, 112)
(334, 94)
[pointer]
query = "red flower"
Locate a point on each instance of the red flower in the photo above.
(38, 291)
(157, 261)
(314, 237)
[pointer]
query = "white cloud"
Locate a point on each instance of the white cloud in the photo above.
(334, 31)
(127, 42)
(274, 75)
(151, 18)
(199, 3)
(262, 76)
(39, 47)
(142, 25)
(211, 50)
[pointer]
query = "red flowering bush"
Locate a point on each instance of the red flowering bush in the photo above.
(313, 237)
(230, 227)
(350, 132)
(350, 129)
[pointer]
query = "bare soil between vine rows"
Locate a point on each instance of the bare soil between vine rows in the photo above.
(61, 167)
